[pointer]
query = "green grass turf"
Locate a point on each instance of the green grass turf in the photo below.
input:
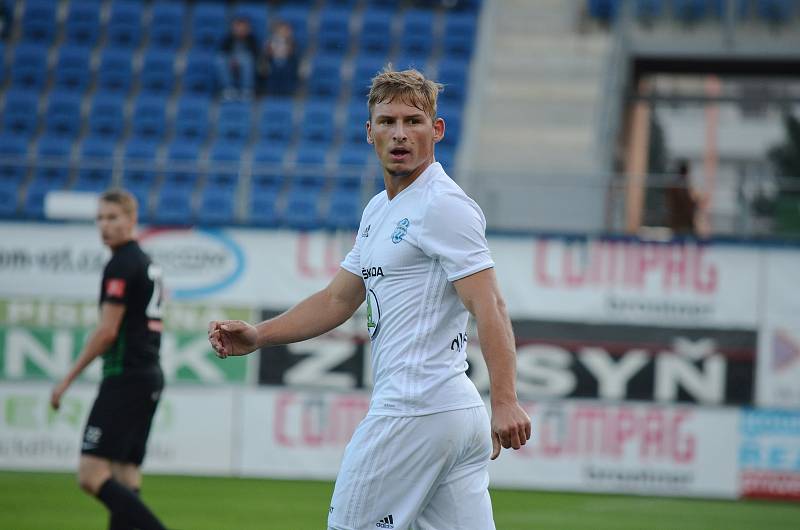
(53, 501)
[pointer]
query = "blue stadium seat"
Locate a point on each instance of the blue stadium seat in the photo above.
(13, 146)
(333, 34)
(366, 67)
(302, 208)
(181, 171)
(29, 69)
(233, 122)
(9, 198)
(409, 60)
(317, 126)
(256, 13)
(354, 161)
(52, 157)
(343, 4)
(604, 10)
(114, 73)
(649, 9)
(268, 155)
(173, 206)
(208, 28)
(263, 208)
(452, 133)
(149, 118)
(310, 165)
(311, 154)
(355, 131)
(83, 23)
(20, 113)
(217, 206)
(39, 21)
(296, 15)
(33, 204)
(157, 75)
(690, 11)
(140, 170)
(106, 115)
(775, 11)
(199, 78)
(224, 160)
(275, 123)
(143, 198)
(376, 31)
(386, 4)
(72, 68)
(96, 165)
(454, 76)
(416, 35)
(124, 29)
(447, 157)
(459, 34)
(191, 119)
(63, 115)
(324, 81)
(344, 210)
(166, 26)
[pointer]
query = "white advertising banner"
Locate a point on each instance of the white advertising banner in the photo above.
(778, 372)
(556, 278)
(585, 446)
(191, 430)
(586, 281)
(599, 280)
(631, 448)
(577, 445)
(298, 434)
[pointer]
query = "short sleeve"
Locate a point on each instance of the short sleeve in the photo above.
(117, 282)
(352, 262)
(454, 232)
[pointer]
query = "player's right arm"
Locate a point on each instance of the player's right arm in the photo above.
(317, 314)
(100, 340)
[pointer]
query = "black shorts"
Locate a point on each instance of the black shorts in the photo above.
(119, 423)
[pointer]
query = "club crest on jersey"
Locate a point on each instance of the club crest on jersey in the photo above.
(400, 230)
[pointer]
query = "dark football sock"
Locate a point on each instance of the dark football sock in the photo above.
(117, 522)
(124, 503)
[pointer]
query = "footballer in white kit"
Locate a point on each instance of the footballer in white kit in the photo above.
(407, 462)
(419, 460)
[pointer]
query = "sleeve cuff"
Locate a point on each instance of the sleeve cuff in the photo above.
(463, 273)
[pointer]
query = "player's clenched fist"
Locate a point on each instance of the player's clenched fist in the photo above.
(232, 337)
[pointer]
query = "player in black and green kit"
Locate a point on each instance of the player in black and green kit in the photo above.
(128, 337)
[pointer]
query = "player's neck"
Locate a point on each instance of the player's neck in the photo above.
(395, 184)
(121, 244)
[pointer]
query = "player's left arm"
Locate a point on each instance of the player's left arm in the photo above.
(480, 294)
(103, 336)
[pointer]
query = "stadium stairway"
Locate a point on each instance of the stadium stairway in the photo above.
(536, 85)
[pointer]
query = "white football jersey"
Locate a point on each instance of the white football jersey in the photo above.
(409, 251)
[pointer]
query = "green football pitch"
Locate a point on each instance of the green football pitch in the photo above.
(52, 501)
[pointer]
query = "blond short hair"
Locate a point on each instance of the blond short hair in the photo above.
(126, 200)
(409, 86)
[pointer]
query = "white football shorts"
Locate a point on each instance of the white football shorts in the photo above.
(416, 473)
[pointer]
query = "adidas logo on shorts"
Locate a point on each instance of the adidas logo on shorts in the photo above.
(386, 522)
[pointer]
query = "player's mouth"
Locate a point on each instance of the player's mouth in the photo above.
(399, 154)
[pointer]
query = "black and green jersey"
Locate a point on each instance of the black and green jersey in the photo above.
(130, 278)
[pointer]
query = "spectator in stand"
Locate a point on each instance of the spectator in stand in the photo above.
(279, 61)
(681, 202)
(236, 61)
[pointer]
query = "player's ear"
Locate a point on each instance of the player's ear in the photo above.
(438, 129)
(369, 134)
